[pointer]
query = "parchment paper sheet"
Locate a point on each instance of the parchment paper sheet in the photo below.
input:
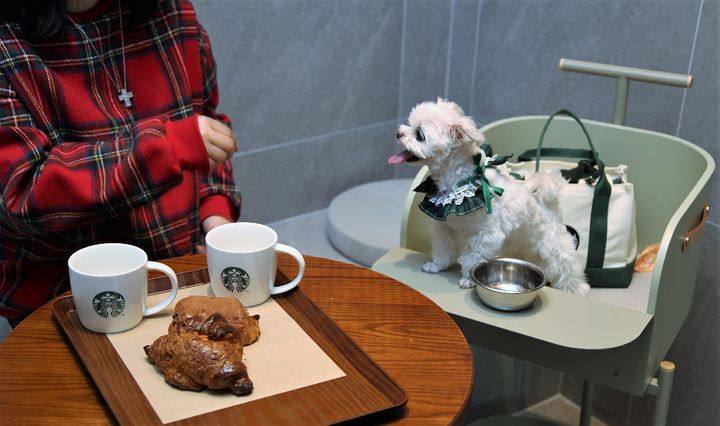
(284, 358)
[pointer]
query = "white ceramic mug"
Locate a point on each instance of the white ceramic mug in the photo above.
(242, 261)
(109, 284)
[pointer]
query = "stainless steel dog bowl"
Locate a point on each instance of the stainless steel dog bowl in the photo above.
(507, 284)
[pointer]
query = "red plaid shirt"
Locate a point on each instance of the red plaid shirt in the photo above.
(77, 167)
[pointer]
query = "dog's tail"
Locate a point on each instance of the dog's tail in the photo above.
(545, 186)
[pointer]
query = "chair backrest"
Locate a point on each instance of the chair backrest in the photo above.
(671, 178)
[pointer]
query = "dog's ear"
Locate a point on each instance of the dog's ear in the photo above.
(464, 131)
(458, 133)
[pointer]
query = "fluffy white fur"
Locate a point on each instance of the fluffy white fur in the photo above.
(525, 221)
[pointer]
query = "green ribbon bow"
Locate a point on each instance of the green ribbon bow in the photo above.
(485, 186)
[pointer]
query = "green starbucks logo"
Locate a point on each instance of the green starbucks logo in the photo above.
(235, 279)
(108, 303)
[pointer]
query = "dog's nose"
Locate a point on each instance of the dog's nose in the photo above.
(398, 134)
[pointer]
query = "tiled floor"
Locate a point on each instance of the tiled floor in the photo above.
(559, 410)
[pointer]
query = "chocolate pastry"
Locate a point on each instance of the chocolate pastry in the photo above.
(191, 312)
(203, 348)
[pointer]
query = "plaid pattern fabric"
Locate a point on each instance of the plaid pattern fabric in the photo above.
(481, 198)
(77, 167)
(441, 212)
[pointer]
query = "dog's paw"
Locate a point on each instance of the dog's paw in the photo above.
(431, 267)
(466, 283)
(583, 289)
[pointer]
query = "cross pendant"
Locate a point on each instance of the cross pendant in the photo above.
(124, 96)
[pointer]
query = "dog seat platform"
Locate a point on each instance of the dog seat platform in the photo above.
(546, 320)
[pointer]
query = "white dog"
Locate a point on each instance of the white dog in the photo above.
(481, 212)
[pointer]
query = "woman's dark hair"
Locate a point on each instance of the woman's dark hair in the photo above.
(45, 19)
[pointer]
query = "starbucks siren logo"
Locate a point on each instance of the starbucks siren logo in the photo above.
(108, 303)
(235, 279)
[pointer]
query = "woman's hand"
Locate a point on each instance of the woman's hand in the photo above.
(219, 139)
(213, 222)
(209, 223)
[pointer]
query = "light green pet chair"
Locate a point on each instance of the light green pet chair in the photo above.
(596, 340)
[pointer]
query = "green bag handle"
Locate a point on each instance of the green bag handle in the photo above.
(531, 154)
(601, 197)
(565, 152)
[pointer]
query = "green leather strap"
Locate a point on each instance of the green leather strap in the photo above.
(619, 277)
(597, 240)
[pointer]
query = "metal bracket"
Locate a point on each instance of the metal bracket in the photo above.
(624, 75)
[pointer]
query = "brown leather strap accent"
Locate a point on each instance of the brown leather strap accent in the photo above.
(690, 235)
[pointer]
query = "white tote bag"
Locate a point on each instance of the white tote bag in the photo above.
(598, 204)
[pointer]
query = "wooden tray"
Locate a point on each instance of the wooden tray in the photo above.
(366, 389)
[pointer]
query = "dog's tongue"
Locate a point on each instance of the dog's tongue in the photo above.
(400, 157)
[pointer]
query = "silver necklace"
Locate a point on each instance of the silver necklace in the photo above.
(124, 95)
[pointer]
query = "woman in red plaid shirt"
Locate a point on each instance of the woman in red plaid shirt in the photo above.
(108, 133)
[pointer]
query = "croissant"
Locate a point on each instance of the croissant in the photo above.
(192, 311)
(204, 348)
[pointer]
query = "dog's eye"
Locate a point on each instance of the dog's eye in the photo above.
(419, 135)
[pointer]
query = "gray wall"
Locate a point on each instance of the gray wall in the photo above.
(316, 88)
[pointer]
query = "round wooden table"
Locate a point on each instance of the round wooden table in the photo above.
(42, 380)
